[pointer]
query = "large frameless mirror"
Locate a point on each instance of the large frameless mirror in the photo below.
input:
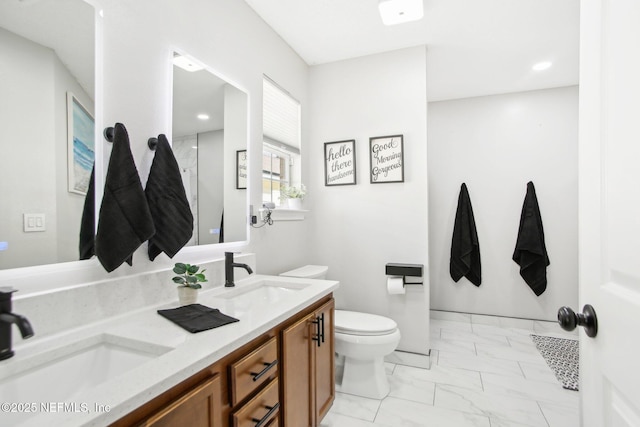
(46, 128)
(209, 141)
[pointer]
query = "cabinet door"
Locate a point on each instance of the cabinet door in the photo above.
(200, 407)
(296, 373)
(324, 369)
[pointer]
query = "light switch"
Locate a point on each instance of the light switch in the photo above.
(34, 222)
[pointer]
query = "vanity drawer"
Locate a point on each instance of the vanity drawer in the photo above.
(263, 410)
(253, 370)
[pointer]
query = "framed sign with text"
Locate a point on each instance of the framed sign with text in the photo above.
(386, 159)
(340, 162)
(241, 169)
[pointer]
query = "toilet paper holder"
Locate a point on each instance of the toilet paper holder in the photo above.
(405, 270)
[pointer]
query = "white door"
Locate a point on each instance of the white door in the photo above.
(609, 197)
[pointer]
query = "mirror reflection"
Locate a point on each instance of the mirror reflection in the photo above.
(46, 134)
(209, 130)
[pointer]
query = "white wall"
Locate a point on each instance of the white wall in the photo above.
(496, 144)
(357, 229)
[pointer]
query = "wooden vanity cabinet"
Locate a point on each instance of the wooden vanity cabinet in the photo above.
(283, 378)
(308, 380)
(200, 407)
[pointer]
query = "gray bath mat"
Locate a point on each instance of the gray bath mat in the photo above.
(562, 356)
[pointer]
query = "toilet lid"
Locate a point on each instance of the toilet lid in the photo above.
(307, 271)
(352, 322)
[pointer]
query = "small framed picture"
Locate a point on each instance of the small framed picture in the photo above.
(340, 163)
(386, 158)
(241, 169)
(80, 145)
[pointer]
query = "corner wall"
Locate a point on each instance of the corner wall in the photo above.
(496, 144)
(357, 229)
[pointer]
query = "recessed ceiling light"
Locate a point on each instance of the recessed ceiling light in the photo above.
(186, 63)
(399, 11)
(540, 66)
(203, 116)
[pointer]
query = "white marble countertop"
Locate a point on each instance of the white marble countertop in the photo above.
(180, 353)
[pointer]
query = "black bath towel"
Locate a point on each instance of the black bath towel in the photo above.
(221, 239)
(465, 248)
(124, 221)
(531, 253)
(88, 222)
(168, 203)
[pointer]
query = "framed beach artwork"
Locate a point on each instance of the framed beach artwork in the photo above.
(386, 159)
(80, 145)
(340, 163)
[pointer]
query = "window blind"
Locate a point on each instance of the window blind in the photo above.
(281, 118)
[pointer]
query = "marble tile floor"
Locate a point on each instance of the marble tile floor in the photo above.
(485, 371)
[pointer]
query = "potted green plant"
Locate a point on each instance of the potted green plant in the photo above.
(189, 279)
(293, 195)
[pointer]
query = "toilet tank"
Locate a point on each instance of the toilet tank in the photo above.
(308, 272)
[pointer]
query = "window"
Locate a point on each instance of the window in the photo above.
(281, 141)
(275, 174)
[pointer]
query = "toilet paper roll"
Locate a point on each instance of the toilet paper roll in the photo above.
(395, 285)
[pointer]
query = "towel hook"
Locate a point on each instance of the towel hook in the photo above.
(152, 143)
(108, 133)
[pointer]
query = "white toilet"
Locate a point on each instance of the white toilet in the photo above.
(362, 340)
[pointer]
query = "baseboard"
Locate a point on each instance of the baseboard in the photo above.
(416, 360)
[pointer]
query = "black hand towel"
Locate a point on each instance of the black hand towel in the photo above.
(168, 203)
(124, 221)
(88, 222)
(196, 317)
(465, 248)
(530, 253)
(221, 240)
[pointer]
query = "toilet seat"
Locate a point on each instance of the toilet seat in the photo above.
(363, 324)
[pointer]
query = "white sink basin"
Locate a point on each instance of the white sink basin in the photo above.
(263, 292)
(64, 373)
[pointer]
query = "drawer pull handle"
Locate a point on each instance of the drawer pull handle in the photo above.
(318, 337)
(319, 322)
(272, 410)
(258, 375)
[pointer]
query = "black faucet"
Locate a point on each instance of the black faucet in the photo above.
(6, 319)
(229, 265)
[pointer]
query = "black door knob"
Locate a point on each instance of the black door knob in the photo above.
(568, 320)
